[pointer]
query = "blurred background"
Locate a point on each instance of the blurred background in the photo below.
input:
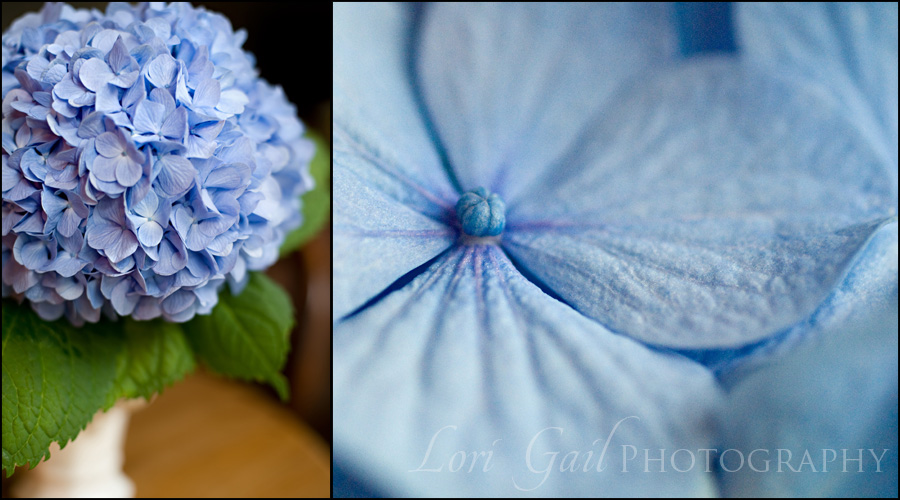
(210, 437)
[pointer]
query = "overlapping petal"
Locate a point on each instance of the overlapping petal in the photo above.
(510, 86)
(846, 52)
(473, 353)
(846, 352)
(711, 235)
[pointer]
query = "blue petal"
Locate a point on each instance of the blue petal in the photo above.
(53, 205)
(172, 255)
(95, 74)
(118, 56)
(834, 394)
(109, 144)
(150, 233)
(104, 169)
(128, 172)
(379, 131)
(161, 70)
(710, 208)
(67, 265)
(175, 126)
(207, 93)
(176, 175)
(122, 297)
(149, 116)
(847, 51)
(471, 357)
(510, 86)
(178, 301)
(147, 206)
(68, 223)
(376, 241)
(232, 101)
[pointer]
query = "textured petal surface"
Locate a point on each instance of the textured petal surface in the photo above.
(847, 52)
(716, 234)
(510, 86)
(379, 131)
(472, 358)
(376, 241)
(835, 391)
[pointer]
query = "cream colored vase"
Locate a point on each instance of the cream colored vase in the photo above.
(88, 467)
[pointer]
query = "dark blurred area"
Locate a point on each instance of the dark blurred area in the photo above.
(291, 51)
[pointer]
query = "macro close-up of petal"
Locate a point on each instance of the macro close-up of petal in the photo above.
(535, 200)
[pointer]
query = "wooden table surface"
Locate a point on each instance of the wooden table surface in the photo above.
(211, 437)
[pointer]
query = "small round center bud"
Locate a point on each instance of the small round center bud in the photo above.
(481, 213)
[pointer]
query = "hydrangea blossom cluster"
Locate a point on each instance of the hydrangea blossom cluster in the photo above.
(145, 163)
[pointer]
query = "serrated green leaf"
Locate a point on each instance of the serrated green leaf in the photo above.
(55, 378)
(247, 336)
(316, 202)
(156, 354)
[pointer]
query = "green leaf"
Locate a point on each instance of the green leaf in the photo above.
(156, 354)
(316, 202)
(55, 377)
(247, 336)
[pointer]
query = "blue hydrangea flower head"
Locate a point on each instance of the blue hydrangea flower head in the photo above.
(557, 225)
(145, 162)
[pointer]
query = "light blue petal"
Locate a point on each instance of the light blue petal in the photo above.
(379, 131)
(95, 74)
(109, 144)
(176, 175)
(104, 169)
(511, 86)
(476, 355)
(710, 208)
(161, 70)
(122, 297)
(845, 51)
(149, 116)
(834, 394)
(67, 265)
(207, 93)
(376, 241)
(150, 234)
(128, 172)
(232, 101)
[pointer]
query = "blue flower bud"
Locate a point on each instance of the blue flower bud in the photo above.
(481, 213)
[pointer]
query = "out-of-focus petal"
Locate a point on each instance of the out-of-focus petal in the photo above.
(833, 394)
(511, 86)
(845, 52)
(470, 358)
(712, 235)
(379, 129)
